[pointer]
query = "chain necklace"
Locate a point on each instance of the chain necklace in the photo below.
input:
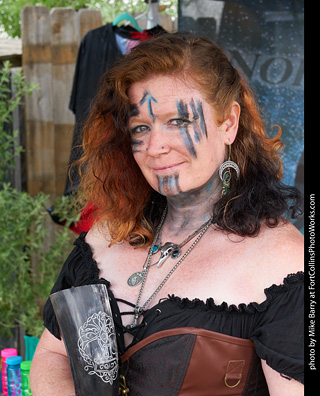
(138, 310)
(169, 249)
(173, 250)
(137, 277)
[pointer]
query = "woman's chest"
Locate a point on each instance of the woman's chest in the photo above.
(202, 274)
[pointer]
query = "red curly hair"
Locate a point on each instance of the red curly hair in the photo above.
(110, 177)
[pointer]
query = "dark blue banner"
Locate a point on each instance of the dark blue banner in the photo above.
(265, 40)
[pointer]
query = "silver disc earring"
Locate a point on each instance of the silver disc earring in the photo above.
(225, 173)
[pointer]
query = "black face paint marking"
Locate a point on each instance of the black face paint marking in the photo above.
(197, 111)
(196, 129)
(147, 97)
(135, 145)
(169, 185)
(176, 180)
(184, 114)
(202, 120)
(183, 109)
(202, 194)
(134, 111)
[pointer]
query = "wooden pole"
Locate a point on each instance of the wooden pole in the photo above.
(64, 49)
(50, 42)
(88, 20)
(37, 67)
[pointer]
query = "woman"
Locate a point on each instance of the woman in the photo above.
(189, 238)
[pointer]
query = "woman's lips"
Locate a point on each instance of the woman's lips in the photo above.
(166, 168)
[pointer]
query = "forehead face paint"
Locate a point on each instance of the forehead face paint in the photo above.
(147, 97)
(134, 111)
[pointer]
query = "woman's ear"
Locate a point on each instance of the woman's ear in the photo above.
(231, 123)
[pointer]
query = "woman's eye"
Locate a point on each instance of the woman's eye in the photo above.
(139, 129)
(179, 122)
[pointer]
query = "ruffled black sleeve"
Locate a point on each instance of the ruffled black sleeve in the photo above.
(79, 269)
(278, 336)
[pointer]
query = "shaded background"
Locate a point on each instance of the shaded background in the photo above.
(265, 39)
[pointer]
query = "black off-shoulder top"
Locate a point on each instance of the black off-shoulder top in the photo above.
(275, 326)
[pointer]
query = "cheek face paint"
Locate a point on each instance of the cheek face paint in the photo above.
(169, 185)
(196, 129)
(202, 120)
(136, 145)
(184, 131)
(198, 122)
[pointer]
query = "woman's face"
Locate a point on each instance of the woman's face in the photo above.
(175, 139)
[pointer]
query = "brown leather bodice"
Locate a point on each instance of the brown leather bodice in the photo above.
(193, 362)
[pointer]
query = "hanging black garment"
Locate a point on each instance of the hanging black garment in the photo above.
(98, 50)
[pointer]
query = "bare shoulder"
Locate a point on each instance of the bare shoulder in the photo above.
(98, 237)
(286, 242)
(282, 250)
(97, 232)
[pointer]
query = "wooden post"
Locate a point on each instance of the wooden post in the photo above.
(50, 42)
(64, 50)
(88, 20)
(37, 67)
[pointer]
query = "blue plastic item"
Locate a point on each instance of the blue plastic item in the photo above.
(14, 375)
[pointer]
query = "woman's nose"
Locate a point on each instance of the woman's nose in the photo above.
(157, 143)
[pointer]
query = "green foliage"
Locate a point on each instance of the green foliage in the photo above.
(28, 267)
(10, 10)
(8, 102)
(28, 263)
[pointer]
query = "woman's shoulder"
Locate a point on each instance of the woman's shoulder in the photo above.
(280, 250)
(282, 245)
(284, 241)
(98, 236)
(99, 241)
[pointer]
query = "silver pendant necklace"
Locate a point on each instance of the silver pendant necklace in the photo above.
(138, 310)
(137, 277)
(173, 250)
(169, 249)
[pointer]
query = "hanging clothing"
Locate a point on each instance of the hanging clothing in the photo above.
(98, 50)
